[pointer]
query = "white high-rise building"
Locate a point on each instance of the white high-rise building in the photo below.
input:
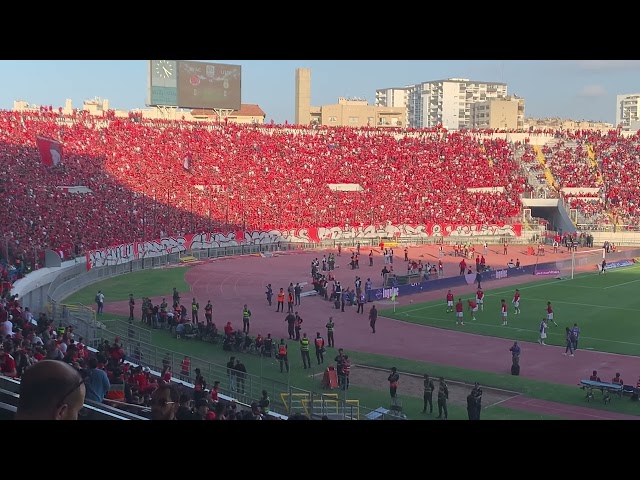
(445, 102)
(627, 110)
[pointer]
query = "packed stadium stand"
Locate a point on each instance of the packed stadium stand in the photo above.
(131, 385)
(146, 179)
(238, 175)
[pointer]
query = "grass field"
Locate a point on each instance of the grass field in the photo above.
(603, 306)
(145, 283)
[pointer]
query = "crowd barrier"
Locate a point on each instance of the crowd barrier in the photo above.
(311, 237)
(286, 399)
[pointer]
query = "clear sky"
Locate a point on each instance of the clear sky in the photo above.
(576, 89)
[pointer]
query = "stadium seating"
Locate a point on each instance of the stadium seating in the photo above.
(263, 177)
(239, 175)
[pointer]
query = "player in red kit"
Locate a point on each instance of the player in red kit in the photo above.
(550, 314)
(480, 299)
(503, 311)
(516, 302)
(449, 301)
(459, 314)
(473, 308)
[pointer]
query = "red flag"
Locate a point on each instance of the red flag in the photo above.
(187, 162)
(50, 151)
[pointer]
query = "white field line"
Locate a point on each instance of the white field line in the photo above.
(530, 287)
(517, 329)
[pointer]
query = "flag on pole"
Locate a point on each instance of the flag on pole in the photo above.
(50, 151)
(393, 295)
(187, 162)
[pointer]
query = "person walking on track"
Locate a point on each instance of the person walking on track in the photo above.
(373, 317)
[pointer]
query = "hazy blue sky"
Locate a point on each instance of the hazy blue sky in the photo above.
(576, 89)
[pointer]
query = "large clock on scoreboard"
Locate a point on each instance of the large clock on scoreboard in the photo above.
(162, 83)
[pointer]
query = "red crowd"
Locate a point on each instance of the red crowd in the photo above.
(239, 175)
(615, 173)
(264, 177)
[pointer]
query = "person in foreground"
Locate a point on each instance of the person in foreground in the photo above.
(165, 402)
(50, 390)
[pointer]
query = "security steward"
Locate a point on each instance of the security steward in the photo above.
(282, 355)
(304, 350)
(195, 308)
(330, 328)
(264, 402)
(429, 387)
(319, 343)
(443, 396)
(246, 315)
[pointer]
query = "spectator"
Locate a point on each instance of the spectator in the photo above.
(96, 381)
(165, 402)
(50, 390)
(184, 410)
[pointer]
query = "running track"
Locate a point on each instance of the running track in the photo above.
(233, 281)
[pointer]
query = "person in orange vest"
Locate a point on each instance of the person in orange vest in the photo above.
(117, 389)
(319, 344)
(282, 355)
(280, 306)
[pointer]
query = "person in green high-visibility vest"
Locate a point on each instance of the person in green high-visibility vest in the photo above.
(304, 349)
(246, 315)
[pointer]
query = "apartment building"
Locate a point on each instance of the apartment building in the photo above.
(352, 112)
(627, 109)
(505, 113)
(393, 98)
(445, 102)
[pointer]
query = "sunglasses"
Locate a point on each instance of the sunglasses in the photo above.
(76, 387)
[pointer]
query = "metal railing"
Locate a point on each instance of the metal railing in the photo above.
(286, 399)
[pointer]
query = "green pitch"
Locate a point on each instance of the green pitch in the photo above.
(605, 307)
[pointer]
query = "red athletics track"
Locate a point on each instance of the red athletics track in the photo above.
(233, 281)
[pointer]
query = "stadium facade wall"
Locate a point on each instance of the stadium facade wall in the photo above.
(312, 236)
(618, 238)
(34, 289)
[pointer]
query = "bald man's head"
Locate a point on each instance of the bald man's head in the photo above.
(50, 390)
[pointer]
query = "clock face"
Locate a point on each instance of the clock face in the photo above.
(164, 69)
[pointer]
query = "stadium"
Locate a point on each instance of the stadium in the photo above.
(119, 231)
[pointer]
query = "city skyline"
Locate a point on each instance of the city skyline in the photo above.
(571, 89)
